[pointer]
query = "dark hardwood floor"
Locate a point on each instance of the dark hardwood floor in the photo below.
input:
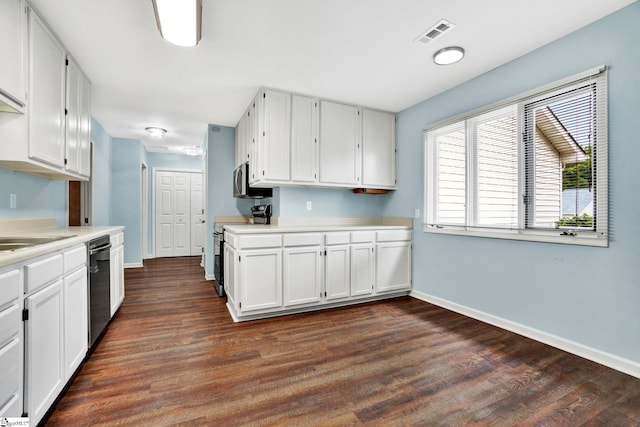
(173, 356)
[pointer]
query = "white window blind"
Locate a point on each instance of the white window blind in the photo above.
(532, 167)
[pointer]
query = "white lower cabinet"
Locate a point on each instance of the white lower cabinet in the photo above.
(11, 343)
(56, 326)
(45, 373)
(337, 272)
(116, 272)
(269, 274)
(362, 269)
(260, 279)
(76, 326)
(393, 266)
(302, 278)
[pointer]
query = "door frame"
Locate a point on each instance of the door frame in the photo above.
(144, 232)
(153, 198)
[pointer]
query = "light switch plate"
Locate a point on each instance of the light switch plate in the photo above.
(416, 214)
(12, 201)
(308, 205)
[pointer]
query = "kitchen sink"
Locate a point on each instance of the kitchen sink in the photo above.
(14, 243)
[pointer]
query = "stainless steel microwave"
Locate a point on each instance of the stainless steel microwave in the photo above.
(241, 187)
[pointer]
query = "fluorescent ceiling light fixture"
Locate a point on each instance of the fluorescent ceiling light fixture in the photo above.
(188, 150)
(156, 132)
(448, 55)
(179, 21)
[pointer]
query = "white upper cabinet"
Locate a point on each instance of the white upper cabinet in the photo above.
(274, 136)
(340, 137)
(78, 120)
(304, 139)
(43, 141)
(298, 140)
(378, 149)
(13, 25)
(46, 95)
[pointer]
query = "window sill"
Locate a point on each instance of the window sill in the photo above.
(582, 239)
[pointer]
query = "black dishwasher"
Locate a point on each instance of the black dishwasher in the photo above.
(99, 287)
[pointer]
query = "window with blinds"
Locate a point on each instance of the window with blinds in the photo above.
(533, 167)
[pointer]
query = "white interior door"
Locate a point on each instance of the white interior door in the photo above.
(198, 229)
(182, 215)
(173, 213)
(164, 213)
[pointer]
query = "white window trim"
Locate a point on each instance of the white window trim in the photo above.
(598, 238)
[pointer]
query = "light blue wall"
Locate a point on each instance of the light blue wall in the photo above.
(328, 202)
(101, 175)
(35, 197)
(126, 195)
(220, 158)
(587, 295)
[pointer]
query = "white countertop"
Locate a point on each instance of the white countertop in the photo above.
(263, 229)
(76, 235)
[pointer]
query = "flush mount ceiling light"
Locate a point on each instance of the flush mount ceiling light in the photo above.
(448, 55)
(156, 132)
(179, 21)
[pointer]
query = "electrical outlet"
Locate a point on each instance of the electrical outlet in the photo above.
(308, 205)
(12, 201)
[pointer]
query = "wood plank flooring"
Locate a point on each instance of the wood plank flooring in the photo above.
(172, 356)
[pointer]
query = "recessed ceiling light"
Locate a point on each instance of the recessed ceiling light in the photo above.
(156, 132)
(448, 55)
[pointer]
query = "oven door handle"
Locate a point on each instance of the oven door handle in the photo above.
(100, 249)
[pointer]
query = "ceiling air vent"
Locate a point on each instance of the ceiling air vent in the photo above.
(436, 31)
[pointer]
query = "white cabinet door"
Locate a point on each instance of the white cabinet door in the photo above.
(337, 272)
(378, 149)
(46, 95)
(275, 150)
(44, 350)
(12, 50)
(302, 275)
(84, 127)
(229, 261)
(120, 263)
(72, 118)
(304, 139)
(393, 266)
(260, 279)
(75, 321)
(340, 138)
(242, 139)
(78, 120)
(362, 270)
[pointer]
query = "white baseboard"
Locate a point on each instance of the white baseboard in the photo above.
(209, 277)
(614, 362)
(133, 265)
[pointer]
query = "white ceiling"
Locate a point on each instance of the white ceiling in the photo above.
(357, 51)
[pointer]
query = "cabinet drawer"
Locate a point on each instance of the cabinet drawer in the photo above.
(10, 371)
(230, 239)
(363, 236)
(75, 258)
(10, 287)
(302, 239)
(336, 239)
(41, 272)
(259, 242)
(10, 319)
(393, 235)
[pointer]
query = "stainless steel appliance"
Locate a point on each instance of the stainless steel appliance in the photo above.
(99, 287)
(218, 261)
(241, 187)
(261, 214)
